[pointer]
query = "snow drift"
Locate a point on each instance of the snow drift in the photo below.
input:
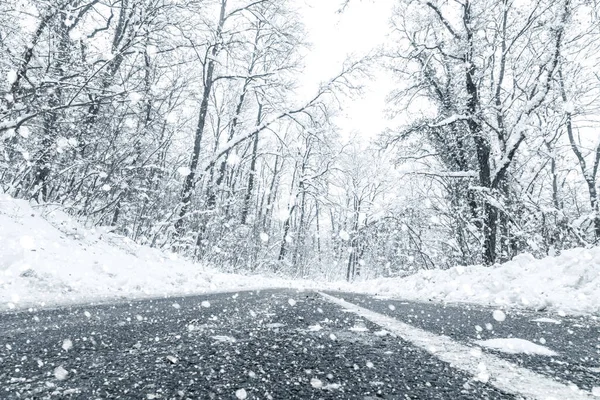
(567, 283)
(47, 258)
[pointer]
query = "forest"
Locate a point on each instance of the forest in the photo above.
(181, 125)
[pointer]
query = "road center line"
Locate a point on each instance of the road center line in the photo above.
(504, 375)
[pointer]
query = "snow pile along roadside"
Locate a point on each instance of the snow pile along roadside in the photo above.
(54, 260)
(569, 282)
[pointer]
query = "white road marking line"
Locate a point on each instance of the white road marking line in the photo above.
(504, 375)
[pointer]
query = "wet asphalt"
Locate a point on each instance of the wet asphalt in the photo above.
(272, 344)
(575, 339)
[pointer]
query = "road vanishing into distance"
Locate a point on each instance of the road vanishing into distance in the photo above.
(287, 344)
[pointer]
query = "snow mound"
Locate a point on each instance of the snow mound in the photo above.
(516, 346)
(48, 258)
(567, 283)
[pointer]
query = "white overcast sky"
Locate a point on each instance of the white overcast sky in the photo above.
(362, 26)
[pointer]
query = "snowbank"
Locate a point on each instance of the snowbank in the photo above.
(51, 259)
(567, 283)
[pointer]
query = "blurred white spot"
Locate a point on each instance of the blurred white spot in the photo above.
(241, 394)
(332, 337)
(60, 373)
(264, 237)
(370, 364)
(67, 344)
(205, 304)
(344, 235)
(134, 97)
(499, 315)
(316, 383)
(87, 314)
(184, 171)
(11, 76)
(392, 307)
(24, 132)
(292, 302)
(176, 306)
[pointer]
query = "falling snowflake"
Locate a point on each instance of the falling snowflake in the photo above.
(11, 77)
(292, 302)
(499, 315)
(67, 344)
(184, 171)
(135, 97)
(60, 373)
(344, 235)
(316, 383)
(205, 304)
(241, 394)
(24, 132)
(234, 159)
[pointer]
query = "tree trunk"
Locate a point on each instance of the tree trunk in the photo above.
(190, 180)
(490, 214)
(252, 173)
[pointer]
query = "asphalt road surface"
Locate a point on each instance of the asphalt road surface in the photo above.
(285, 344)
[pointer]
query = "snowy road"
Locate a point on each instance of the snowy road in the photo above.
(284, 344)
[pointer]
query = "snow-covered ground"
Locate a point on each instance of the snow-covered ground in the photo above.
(47, 258)
(568, 283)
